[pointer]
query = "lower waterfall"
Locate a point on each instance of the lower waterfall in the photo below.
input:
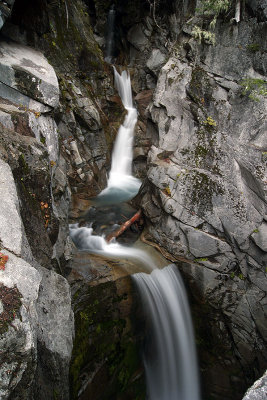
(169, 358)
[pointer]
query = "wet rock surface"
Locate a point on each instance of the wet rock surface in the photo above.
(207, 183)
(106, 359)
(201, 137)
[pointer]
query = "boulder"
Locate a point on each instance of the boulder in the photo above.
(156, 60)
(55, 331)
(258, 390)
(137, 37)
(28, 72)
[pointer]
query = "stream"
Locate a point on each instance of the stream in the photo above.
(169, 355)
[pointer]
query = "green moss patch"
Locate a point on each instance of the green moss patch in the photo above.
(103, 338)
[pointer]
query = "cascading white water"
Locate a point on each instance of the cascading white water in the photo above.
(170, 360)
(122, 186)
(85, 240)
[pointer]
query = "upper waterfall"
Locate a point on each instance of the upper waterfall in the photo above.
(122, 185)
(111, 35)
(123, 84)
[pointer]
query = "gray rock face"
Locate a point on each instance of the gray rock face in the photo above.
(259, 8)
(55, 314)
(137, 37)
(28, 71)
(259, 390)
(10, 236)
(207, 195)
(260, 237)
(156, 60)
(41, 331)
(28, 88)
(18, 341)
(45, 128)
(36, 357)
(55, 331)
(44, 313)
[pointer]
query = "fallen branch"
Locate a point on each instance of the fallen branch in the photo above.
(124, 226)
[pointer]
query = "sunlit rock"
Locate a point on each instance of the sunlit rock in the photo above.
(27, 71)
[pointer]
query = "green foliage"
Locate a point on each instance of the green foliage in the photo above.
(42, 139)
(210, 9)
(253, 47)
(210, 122)
(201, 34)
(214, 7)
(23, 164)
(254, 88)
(240, 276)
(201, 259)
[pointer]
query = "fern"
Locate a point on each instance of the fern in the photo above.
(212, 9)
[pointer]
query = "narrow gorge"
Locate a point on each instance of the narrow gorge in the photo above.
(151, 114)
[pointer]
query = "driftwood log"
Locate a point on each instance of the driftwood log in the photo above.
(124, 226)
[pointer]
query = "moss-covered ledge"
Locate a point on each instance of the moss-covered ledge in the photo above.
(106, 361)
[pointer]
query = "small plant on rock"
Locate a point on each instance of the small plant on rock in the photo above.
(254, 88)
(3, 261)
(210, 122)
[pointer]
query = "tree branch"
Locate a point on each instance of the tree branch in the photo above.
(124, 226)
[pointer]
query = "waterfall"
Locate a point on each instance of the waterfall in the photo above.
(84, 239)
(122, 186)
(111, 36)
(122, 156)
(170, 359)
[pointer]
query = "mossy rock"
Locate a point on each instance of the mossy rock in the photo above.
(105, 345)
(200, 88)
